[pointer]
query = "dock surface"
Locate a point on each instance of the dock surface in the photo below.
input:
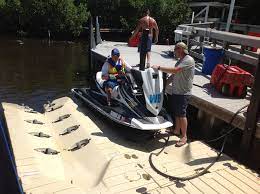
(110, 163)
(205, 98)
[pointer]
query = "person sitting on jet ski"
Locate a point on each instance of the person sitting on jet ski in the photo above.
(113, 71)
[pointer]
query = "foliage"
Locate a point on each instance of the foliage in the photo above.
(64, 17)
(125, 13)
(67, 17)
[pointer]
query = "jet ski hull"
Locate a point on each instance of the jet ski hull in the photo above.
(118, 112)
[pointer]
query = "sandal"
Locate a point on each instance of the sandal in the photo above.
(181, 142)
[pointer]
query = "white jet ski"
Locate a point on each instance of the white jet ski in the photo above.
(136, 102)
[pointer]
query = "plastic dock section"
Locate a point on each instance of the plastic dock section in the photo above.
(70, 149)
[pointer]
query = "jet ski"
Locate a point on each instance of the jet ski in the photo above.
(136, 102)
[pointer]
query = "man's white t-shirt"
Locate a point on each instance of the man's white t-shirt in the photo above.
(181, 82)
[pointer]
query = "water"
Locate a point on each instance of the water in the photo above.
(34, 71)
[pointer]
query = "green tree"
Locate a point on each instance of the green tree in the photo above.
(58, 16)
(10, 11)
(125, 13)
(61, 17)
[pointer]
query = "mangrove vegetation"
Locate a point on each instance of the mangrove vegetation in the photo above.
(69, 18)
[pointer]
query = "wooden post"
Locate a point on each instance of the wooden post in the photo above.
(97, 32)
(252, 115)
(143, 49)
(92, 45)
(91, 35)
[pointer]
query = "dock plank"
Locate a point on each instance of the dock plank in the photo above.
(178, 189)
(227, 184)
(214, 184)
(203, 186)
(253, 185)
(191, 188)
(251, 175)
(234, 180)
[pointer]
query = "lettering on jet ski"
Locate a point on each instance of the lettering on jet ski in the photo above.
(116, 115)
(155, 98)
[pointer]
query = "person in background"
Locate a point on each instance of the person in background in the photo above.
(113, 70)
(147, 22)
(182, 81)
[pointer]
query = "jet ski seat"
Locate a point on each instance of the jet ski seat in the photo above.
(100, 81)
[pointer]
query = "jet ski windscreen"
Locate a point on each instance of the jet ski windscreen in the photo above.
(153, 90)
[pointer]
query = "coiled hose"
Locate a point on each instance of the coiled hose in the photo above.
(225, 136)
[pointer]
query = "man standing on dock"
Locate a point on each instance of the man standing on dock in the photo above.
(182, 82)
(147, 22)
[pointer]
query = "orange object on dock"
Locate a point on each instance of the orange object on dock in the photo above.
(133, 42)
(254, 34)
(231, 80)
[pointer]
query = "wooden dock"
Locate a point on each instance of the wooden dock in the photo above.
(205, 98)
(110, 163)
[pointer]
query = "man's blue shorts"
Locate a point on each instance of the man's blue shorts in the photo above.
(179, 104)
(110, 84)
(149, 44)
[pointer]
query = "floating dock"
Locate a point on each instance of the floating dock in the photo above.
(107, 162)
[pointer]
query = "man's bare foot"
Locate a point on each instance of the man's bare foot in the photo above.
(181, 142)
(173, 132)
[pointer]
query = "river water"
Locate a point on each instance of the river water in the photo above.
(34, 71)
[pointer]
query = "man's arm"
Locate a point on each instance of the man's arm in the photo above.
(128, 67)
(171, 70)
(156, 32)
(137, 29)
(105, 75)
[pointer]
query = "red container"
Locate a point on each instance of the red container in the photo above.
(254, 34)
(133, 42)
(231, 80)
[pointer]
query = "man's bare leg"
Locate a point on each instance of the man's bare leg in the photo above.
(177, 126)
(108, 91)
(183, 126)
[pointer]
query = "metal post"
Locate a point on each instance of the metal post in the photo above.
(192, 17)
(252, 115)
(97, 32)
(223, 15)
(230, 14)
(207, 14)
(143, 49)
